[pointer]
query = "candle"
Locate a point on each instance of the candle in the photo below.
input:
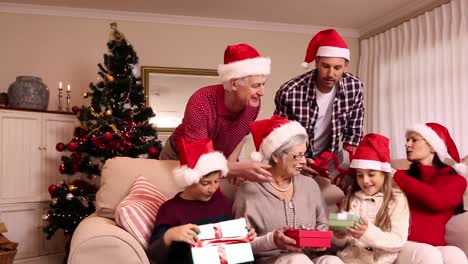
(68, 87)
(60, 85)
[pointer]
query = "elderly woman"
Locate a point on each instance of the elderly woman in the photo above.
(434, 188)
(290, 200)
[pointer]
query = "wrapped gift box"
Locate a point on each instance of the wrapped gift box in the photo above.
(341, 221)
(223, 243)
(321, 163)
(339, 164)
(310, 238)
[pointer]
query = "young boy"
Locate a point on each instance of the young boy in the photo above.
(200, 203)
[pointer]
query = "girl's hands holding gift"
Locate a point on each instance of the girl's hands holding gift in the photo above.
(284, 242)
(252, 234)
(358, 229)
(185, 233)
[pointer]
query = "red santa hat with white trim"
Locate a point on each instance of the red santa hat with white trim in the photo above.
(438, 137)
(197, 159)
(326, 43)
(270, 134)
(241, 60)
(373, 153)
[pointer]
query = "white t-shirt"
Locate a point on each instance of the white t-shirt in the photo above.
(323, 125)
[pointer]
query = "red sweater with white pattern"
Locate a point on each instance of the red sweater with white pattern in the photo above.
(433, 198)
(206, 116)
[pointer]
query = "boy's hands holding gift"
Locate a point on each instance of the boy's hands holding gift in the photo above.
(284, 242)
(252, 234)
(358, 229)
(185, 233)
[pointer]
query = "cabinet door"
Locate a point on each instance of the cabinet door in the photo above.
(56, 128)
(20, 156)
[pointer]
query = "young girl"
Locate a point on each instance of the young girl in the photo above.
(382, 207)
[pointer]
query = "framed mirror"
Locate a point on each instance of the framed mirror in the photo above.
(167, 91)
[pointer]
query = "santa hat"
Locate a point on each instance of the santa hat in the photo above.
(269, 134)
(242, 60)
(438, 137)
(326, 43)
(373, 153)
(198, 159)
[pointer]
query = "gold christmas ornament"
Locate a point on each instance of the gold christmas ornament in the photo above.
(72, 187)
(115, 34)
(85, 95)
(110, 78)
(94, 113)
(54, 201)
(109, 112)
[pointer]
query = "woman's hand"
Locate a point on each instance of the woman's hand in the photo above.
(284, 242)
(185, 233)
(358, 229)
(252, 234)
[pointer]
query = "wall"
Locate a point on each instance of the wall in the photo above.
(68, 49)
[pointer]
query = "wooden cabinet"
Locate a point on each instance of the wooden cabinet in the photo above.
(28, 165)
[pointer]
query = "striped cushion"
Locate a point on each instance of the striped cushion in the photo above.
(137, 212)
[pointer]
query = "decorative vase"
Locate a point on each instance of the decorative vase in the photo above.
(28, 92)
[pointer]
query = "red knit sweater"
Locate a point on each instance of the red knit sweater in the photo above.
(432, 199)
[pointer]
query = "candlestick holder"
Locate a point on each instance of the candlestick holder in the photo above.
(60, 99)
(68, 100)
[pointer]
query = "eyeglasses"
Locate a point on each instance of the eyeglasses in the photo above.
(297, 157)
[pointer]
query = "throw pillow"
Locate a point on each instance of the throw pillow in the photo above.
(137, 212)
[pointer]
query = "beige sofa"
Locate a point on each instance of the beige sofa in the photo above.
(99, 240)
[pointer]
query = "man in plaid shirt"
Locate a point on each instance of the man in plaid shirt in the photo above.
(327, 101)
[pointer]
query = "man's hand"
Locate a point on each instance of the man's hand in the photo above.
(250, 171)
(307, 170)
(185, 233)
(350, 148)
(284, 242)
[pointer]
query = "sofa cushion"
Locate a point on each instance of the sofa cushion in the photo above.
(137, 212)
(118, 175)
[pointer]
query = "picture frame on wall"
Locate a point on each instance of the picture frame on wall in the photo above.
(167, 90)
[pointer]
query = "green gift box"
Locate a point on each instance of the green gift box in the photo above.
(223, 242)
(341, 221)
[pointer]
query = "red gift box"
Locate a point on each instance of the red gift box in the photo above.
(310, 238)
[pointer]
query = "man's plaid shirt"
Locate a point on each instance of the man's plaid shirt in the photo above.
(296, 100)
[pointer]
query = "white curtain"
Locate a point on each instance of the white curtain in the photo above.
(417, 72)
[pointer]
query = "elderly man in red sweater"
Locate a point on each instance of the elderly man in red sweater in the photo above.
(224, 111)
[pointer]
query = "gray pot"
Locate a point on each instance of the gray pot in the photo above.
(28, 92)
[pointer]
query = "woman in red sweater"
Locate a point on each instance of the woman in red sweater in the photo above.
(434, 188)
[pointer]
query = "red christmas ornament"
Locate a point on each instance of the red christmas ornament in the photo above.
(153, 151)
(108, 136)
(72, 146)
(76, 109)
(52, 189)
(76, 166)
(60, 147)
(62, 168)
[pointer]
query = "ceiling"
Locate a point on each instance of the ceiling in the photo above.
(350, 14)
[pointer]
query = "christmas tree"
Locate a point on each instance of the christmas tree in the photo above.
(116, 124)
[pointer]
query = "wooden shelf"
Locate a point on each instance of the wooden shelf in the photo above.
(35, 110)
